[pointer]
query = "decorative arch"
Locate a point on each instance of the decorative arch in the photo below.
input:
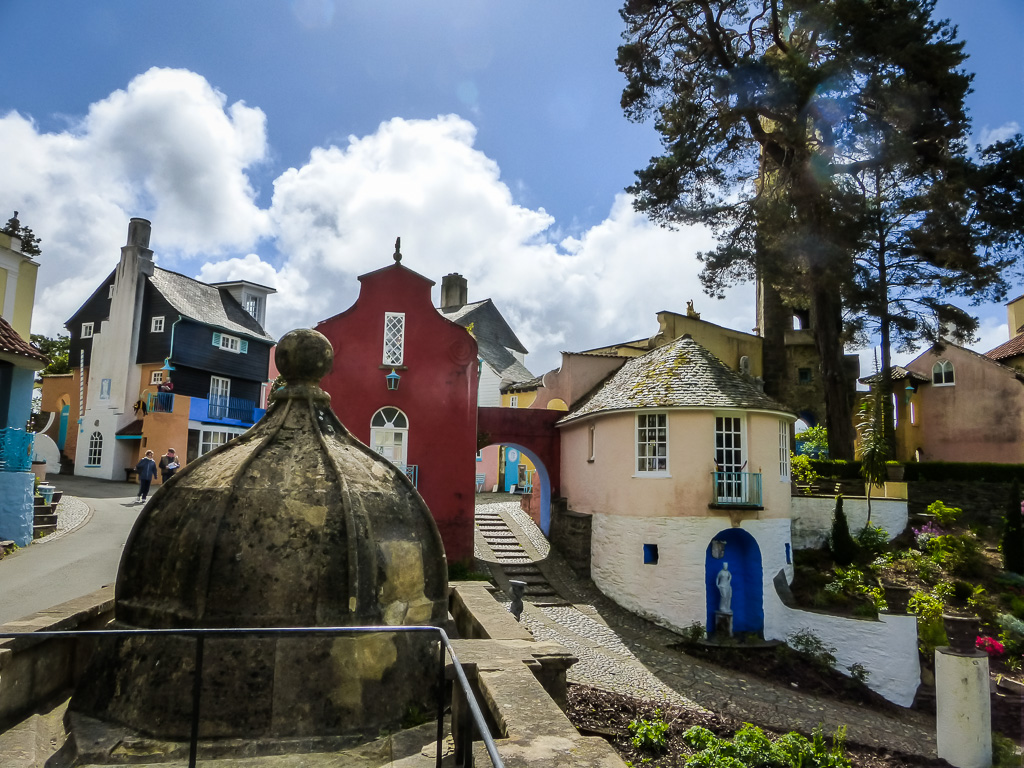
(743, 555)
(942, 373)
(95, 455)
(389, 434)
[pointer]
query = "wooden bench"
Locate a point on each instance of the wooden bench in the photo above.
(130, 475)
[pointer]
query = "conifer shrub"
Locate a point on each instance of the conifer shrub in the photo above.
(844, 548)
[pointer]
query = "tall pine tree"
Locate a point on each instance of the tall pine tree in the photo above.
(771, 114)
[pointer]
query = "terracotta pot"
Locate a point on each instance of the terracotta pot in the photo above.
(962, 631)
(897, 597)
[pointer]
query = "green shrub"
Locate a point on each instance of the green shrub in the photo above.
(930, 635)
(837, 470)
(751, 748)
(944, 514)
(972, 472)
(649, 734)
(844, 548)
(1004, 752)
(806, 642)
(694, 633)
(873, 539)
(927, 605)
(1012, 544)
(802, 471)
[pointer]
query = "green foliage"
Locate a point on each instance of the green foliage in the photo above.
(1012, 544)
(817, 651)
(844, 548)
(959, 555)
(944, 514)
(927, 605)
(838, 470)
(873, 539)
(965, 472)
(814, 442)
(874, 444)
(802, 471)
(56, 349)
(1004, 752)
(649, 734)
(465, 571)
(930, 635)
(29, 241)
(694, 633)
(750, 747)
(859, 673)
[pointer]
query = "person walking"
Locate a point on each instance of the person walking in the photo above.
(168, 465)
(146, 470)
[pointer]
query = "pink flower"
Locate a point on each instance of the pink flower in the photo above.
(989, 645)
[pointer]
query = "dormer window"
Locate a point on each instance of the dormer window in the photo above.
(942, 374)
(253, 304)
(230, 343)
(86, 330)
(394, 338)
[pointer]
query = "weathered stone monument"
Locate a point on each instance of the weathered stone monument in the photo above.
(293, 524)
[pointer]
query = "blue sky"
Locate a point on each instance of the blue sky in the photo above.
(291, 142)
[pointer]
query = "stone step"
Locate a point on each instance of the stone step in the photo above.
(38, 531)
(45, 519)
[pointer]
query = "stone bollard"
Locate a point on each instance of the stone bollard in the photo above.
(518, 590)
(963, 721)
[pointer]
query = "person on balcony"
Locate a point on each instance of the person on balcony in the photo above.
(168, 465)
(165, 396)
(146, 470)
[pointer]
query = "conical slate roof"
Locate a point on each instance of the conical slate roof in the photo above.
(293, 524)
(681, 374)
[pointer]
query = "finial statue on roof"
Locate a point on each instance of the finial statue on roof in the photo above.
(398, 249)
(13, 225)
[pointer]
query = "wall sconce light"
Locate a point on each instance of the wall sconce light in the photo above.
(717, 548)
(167, 365)
(392, 379)
(908, 392)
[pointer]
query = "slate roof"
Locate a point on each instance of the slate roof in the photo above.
(206, 304)
(494, 338)
(678, 375)
(12, 343)
(896, 373)
(1011, 348)
(523, 386)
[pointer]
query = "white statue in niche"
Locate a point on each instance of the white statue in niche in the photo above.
(724, 583)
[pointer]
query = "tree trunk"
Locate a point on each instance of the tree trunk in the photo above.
(827, 322)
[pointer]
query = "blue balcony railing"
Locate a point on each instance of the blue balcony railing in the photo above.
(412, 471)
(160, 402)
(16, 450)
(741, 489)
(231, 408)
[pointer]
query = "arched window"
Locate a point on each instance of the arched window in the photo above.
(95, 456)
(942, 373)
(389, 435)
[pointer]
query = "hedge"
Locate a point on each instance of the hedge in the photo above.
(836, 470)
(977, 472)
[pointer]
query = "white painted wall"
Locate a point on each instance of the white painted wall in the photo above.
(672, 593)
(488, 393)
(812, 517)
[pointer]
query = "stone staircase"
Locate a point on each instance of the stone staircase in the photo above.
(513, 560)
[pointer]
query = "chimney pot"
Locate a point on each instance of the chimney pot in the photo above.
(454, 291)
(138, 232)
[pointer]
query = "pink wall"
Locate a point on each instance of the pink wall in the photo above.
(609, 484)
(979, 418)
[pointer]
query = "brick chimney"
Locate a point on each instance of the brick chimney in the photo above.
(454, 291)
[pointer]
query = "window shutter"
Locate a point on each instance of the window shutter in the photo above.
(216, 338)
(244, 347)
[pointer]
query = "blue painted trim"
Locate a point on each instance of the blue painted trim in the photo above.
(126, 437)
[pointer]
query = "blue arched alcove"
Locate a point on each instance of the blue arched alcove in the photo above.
(541, 480)
(744, 558)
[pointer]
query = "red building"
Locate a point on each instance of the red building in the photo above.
(405, 382)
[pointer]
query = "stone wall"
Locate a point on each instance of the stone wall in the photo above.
(812, 517)
(570, 536)
(981, 502)
(33, 669)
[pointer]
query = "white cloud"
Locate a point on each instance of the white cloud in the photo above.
(1000, 133)
(165, 148)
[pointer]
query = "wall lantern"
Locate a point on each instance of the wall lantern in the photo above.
(167, 365)
(717, 548)
(392, 379)
(909, 391)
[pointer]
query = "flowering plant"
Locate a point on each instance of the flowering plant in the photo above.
(989, 645)
(926, 533)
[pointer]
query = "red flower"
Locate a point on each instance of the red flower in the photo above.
(989, 645)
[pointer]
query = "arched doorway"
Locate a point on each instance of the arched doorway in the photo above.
(540, 482)
(739, 549)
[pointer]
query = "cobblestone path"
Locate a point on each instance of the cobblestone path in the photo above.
(622, 652)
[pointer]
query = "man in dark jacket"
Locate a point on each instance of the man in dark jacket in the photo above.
(146, 470)
(168, 465)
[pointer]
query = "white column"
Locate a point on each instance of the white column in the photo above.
(963, 721)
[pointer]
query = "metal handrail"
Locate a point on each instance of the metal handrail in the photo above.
(200, 634)
(736, 488)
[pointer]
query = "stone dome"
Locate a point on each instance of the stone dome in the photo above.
(295, 523)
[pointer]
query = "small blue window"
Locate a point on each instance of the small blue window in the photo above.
(789, 554)
(650, 554)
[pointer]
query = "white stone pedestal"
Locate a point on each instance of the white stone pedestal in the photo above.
(963, 722)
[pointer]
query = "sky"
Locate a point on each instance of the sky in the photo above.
(289, 142)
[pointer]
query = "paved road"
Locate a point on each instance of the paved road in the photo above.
(48, 573)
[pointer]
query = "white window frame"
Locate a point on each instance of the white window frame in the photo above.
(913, 413)
(110, 291)
(215, 382)
(655, 465)
(157, 376)
(785, 470)
(591, 441)
(214, 438)
(156, 325)
(731, 489)
(394, 338)
(946, 374)
(382, 437)
(229, 343)
(252, 303)
(513, 401)
(95, 456)
(87, 329)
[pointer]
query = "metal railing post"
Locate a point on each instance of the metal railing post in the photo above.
(197, 695)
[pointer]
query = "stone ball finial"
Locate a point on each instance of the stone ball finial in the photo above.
(304, 355)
